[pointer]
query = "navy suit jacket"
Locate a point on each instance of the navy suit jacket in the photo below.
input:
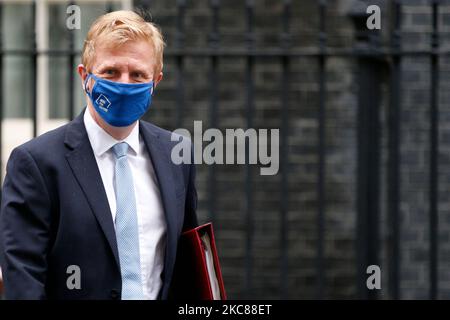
(55, 213)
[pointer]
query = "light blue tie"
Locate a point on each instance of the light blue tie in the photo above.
(127, 226)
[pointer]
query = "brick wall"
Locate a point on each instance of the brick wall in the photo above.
(341, 138)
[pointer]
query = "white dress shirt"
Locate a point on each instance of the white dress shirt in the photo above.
(150, 212)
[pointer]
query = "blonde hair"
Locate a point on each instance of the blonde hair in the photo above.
(118, 27)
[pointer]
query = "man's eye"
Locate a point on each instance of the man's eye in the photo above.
(109, 72)
(137, 75)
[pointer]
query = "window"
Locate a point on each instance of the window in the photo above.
(20, 26)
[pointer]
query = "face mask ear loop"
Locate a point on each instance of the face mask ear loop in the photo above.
(85, 84)
(153, 88)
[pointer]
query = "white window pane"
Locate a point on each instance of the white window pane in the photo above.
(17, 33)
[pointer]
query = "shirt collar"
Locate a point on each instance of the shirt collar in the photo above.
(101, 141)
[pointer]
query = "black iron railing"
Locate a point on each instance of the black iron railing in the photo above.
(374, 60)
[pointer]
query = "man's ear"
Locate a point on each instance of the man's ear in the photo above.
(158, 79)
(81, 69)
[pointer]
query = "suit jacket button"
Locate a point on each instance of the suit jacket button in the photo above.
(114, 294)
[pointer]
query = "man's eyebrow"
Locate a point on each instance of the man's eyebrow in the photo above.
(107, 65)
(139, 70)
(113, 65)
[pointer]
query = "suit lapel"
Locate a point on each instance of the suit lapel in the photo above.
(164, 173)
(84, 166)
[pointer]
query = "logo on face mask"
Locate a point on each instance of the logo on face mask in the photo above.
(103, 103)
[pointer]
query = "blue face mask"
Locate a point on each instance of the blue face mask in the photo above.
(119, 104)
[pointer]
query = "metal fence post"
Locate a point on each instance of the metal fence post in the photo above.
(71, 75)
(321, 196)
(249, 111)
(213, 43)
(434, 152)
(369, 79)
(394, 160)
(34, 62)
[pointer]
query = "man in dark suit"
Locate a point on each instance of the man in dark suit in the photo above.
(95, 208)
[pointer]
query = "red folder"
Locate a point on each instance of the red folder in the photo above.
(197, 273)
